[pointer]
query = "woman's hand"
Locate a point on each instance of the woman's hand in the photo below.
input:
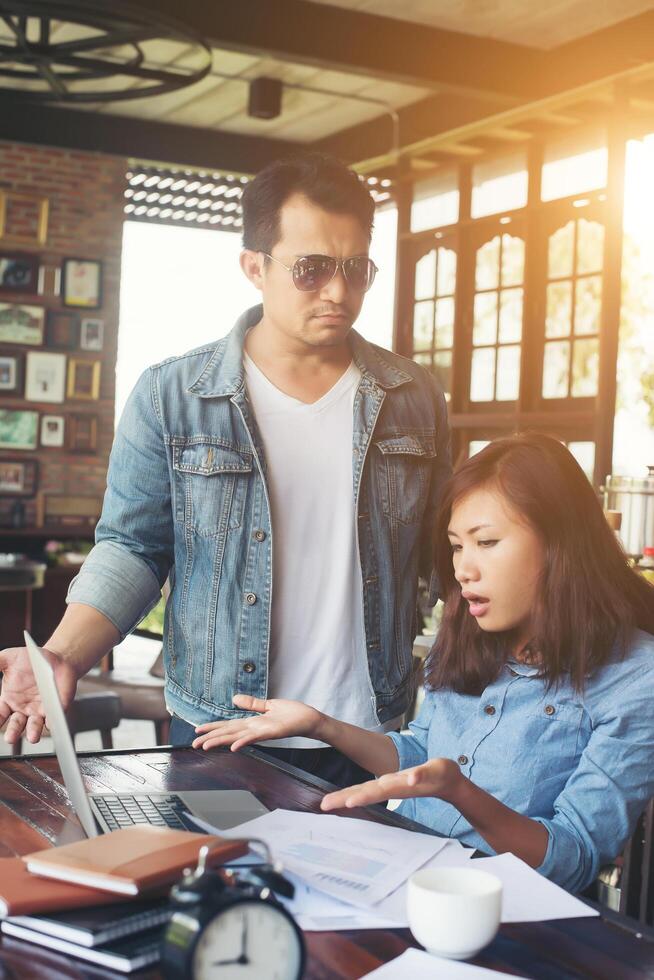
(438, 777)
(276, 719)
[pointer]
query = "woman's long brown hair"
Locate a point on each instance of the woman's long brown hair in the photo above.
(589, 600)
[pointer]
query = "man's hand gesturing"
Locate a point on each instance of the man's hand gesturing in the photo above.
(21, 711)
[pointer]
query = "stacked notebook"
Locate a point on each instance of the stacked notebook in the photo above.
(125, 937)
(73, 898)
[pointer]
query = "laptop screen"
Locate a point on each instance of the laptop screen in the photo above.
(63, 742)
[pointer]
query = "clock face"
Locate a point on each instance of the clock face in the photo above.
(248, 941)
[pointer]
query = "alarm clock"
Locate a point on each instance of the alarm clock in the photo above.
(227, 927)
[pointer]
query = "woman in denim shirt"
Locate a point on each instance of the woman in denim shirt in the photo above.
(536, 735)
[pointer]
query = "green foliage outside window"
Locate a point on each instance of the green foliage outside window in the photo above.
(153, 622)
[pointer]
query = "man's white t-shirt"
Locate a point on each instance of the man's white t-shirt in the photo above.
(317, 648)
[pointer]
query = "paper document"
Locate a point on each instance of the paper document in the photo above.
(418, 965)
(357, 861)
(527, 895)
(317, 912)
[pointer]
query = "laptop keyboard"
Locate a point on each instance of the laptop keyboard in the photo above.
(160, 811)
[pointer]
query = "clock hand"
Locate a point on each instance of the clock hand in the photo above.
(242, 960)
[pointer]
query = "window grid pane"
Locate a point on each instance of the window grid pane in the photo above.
(573, 310)
(556, 369)
(444, 332)
(482, 375)
(585, 364)
(423, 325)
(508, 373)
(484, 329)
(425, 281)
(497, 320)
(446, 275)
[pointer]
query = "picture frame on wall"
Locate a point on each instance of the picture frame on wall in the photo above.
(19, 272)
(45, 377)
(53, 428)
(24, 212)
(20, 324)
(18, 477)
(83, 433)
(91, 335)
(62, 330)
(11, 374)
(83, 379)
(18, 429)
(81, 283)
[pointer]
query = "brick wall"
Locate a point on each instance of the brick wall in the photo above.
(85, 194)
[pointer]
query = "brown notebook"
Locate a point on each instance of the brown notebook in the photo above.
(132, 860)
(22, 893)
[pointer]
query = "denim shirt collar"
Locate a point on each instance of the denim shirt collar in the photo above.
(525, 670)
(223, 372)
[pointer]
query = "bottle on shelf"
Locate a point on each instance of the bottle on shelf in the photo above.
(646, 564)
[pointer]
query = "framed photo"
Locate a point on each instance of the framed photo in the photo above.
(62, 330)
(18, 429)
(52, 431)
(91, 334)
(71, 511)
(11, 374)
(82, 433)
(45, 377)
(19, 272)
(21, 324)
(24, 211)
(83, 379)
(18, 477)
(81, 283)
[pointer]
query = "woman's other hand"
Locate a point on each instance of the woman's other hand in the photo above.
(438, 777)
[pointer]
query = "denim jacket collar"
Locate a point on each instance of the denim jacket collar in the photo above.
(222, 375)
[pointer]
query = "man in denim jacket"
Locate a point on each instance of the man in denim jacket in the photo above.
(284, 479)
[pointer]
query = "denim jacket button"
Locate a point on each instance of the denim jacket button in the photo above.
(250, 598)
(549, 709)
(489, 709)
(463, 760)
(259, 535)
(249, 667)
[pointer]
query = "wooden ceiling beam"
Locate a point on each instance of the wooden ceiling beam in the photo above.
(339, 39)
(606, 53)
(140, 138)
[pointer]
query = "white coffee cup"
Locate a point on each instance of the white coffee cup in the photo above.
(454, 912)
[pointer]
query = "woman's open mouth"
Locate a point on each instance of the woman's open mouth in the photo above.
(478, 604)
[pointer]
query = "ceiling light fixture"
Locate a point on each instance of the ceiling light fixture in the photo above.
(66, 51)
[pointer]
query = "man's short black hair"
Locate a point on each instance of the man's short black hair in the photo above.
(324, 180)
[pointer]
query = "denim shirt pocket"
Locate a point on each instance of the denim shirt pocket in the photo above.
(211, 483)
(403, 467)
(560, 731)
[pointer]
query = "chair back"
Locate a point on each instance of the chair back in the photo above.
(637, 879)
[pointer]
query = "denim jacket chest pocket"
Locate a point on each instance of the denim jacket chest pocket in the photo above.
(403, 466)
(211, 482)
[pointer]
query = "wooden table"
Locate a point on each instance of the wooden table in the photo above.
(34, 808)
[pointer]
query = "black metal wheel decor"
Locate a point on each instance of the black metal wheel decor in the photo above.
(97, 42)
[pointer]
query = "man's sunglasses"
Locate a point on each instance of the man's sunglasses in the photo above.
(313, 272)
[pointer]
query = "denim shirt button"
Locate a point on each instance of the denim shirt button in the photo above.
(549, 709)
(463, 760)
(259, 535)
(250, 598)
(489, 709)
(249, 667)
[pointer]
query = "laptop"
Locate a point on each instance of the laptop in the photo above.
(99, 813)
